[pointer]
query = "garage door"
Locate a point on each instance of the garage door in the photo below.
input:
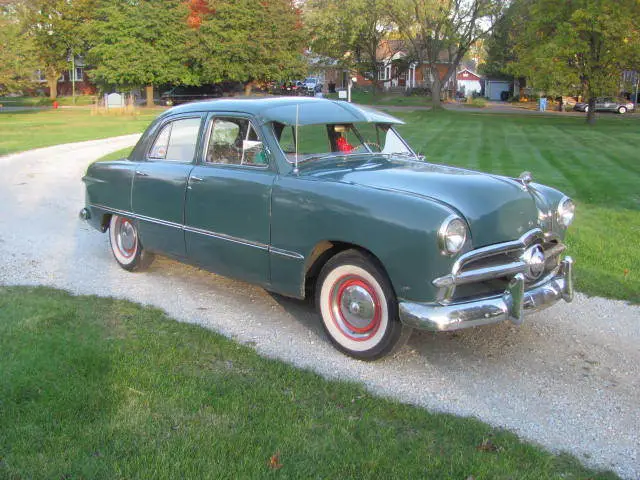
(495, 88)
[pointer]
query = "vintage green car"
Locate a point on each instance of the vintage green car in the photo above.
(309, 196)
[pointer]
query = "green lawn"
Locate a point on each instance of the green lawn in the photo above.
(100, 388)
(596, 165)
(24, 130)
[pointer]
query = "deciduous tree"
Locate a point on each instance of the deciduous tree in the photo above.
(350, 32)
(17, 65)
(440, 31)
(248, 41)
(584, 42)
(144, 42)
(53, 29)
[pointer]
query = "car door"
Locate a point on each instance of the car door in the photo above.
(160, 182)
(227, 211)
(603, 104)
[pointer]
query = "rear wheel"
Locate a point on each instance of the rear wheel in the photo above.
(622, 110)
(126, 246)
(359, 308)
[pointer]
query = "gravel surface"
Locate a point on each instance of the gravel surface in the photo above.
(568, 378)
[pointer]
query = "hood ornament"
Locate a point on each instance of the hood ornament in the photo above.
(525, 179)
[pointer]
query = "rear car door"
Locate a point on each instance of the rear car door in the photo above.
(227, 211)
(160, 182)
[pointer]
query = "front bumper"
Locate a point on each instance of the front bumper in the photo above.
(511, 305)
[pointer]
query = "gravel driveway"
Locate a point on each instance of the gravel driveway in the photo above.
(569, 378)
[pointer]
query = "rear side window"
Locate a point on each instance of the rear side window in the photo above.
(177, 140)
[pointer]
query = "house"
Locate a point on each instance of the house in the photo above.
(469, 82)
(396, 71)
(83, 86)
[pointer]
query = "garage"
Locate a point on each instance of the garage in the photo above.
(494, 88)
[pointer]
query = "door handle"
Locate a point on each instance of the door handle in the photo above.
(193, 178)
(141, 173)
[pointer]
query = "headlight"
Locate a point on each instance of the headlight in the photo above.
(566, 210)
(452, 235)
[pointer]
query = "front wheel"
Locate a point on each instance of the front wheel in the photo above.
(126, 246)
(358, 307)
(622, 110)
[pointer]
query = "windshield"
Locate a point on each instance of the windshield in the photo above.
(322, 140)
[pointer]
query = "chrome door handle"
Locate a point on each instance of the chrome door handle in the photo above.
(195, 179)
(141, 173)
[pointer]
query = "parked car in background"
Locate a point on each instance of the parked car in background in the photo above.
(607, 104)
(320, 198)
(183, 94)
(312, 84)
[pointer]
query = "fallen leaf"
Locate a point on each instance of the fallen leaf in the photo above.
(487, 446)
(274, 461)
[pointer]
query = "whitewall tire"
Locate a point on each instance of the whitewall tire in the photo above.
(358, 307)
(126, 246)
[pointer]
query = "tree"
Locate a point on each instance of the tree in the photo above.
(17, 64)
(500, 45)
(582, 42)
(443, 29)
(248, 41)
(142, 42)
(350, 31)
(53, 29)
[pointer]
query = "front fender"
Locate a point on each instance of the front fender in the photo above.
(399, 229)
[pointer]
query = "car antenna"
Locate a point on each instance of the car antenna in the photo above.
(295, 169)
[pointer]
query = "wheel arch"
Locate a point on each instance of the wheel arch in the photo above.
(323, 252)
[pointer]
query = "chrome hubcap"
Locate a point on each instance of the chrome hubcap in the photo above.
(126, 238)
(357, 306)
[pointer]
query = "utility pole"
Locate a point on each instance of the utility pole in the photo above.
(73, 78)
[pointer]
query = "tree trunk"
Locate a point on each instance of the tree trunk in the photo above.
(53, 86)
(149, 90)
(591, 114)
(375, 86)
(248, 87)
(436, 86)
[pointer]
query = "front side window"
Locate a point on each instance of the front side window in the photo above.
(234, 141)
(309, 142)
(176, 142)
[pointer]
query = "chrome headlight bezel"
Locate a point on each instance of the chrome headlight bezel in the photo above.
(565, 212)
(452, 235)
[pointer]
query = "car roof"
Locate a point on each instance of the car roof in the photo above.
(286, 110)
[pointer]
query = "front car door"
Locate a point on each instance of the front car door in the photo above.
(227, 211)
(160, 182)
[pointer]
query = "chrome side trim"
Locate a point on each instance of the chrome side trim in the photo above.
(286, 253)
(200, 231)
(229, 238)
(512, 305)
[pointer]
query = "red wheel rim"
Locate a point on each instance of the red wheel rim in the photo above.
(355, 308)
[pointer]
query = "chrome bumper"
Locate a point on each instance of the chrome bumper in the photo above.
(511, 305)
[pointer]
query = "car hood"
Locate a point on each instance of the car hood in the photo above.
(498, 209)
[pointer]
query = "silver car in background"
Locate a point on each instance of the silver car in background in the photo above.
(607, 104)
